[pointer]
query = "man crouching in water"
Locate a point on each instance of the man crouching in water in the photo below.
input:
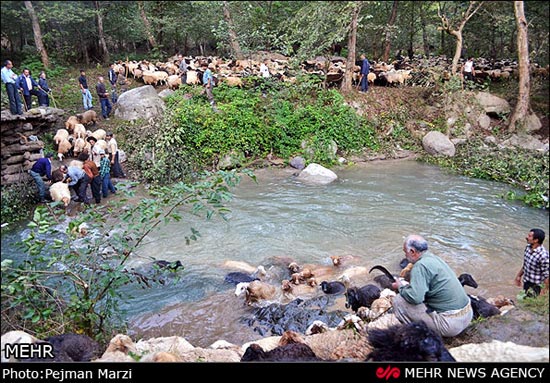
(434, 295)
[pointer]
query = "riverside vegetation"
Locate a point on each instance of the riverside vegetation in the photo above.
(60, 286)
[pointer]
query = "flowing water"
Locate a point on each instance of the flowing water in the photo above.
(363, 216)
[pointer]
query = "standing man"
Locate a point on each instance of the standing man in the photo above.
(42, 168)
(112, 80)
(10, 79)
(103, 98)
(29, 87)
(264, 72)
(79, 182)
(183, 69)
(434, 295)
(114, 154)
(86, 95)
(535, 264)
(208, 83)
(43, 99)
(365, 69)
(468, 70)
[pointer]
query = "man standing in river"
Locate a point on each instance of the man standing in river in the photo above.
(535, 269)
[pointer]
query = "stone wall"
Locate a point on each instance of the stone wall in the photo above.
(22, 140)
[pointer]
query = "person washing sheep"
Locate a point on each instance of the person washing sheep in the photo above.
(434, 295)
(535, 269)
(86, 95)
(42, 168)
(103, 98)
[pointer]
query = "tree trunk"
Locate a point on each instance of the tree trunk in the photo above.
(233, 42)
(37, 35)
(523, 104)
(147, 25)
(347, 83)
(457, 32)
(387, 40)
(102, 43)
(425, 42)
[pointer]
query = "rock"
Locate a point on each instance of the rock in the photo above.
(231, 160)
(436, 143)
(317, 174)
(139, 103)
(175, 344)
(524, 141)
(492, 104)
(166, 93)
(298, 163)
(532, 123)
(484, 121)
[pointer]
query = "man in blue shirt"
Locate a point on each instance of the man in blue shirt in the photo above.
(10, 79)
(86, 95)
(365, 69)
(79, 182)
(42, 168)
(208, 82)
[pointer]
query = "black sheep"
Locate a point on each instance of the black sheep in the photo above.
(480, 306)
(173, 266)
(335, 287)
(413, 342)
(294, 352)
(361, 297)
(237, 277)
(79, 348)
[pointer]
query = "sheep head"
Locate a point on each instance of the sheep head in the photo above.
(241, 288)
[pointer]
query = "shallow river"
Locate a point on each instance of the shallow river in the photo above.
(363, 216)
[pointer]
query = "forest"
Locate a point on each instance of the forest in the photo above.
(93, 32)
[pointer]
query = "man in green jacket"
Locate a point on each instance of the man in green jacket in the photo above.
(434, 295)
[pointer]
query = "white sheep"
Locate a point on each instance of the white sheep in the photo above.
(15, 337)
(79, 131)
(174, 81)
(70, 123)
(63, 148)
(60, 135)
(59, 191)
(101, 144)
(99, 134)
(497, 351)
(81, 145)
(255, 291)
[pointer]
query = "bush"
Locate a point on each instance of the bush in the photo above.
(192, 136)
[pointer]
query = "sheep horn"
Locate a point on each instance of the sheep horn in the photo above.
(384, 270)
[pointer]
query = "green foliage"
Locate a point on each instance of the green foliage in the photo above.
(297, 120)
(521, 168)
(17, 200)
(71, 282)
(538, 305)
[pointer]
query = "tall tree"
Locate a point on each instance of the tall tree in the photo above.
(352, 43)
(101, 34)
(37, 35)
(233, 41)
(523, 105)
(147, 25)
(448, 27)
(388, 34)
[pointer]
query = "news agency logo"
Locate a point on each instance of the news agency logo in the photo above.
(388, 372)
